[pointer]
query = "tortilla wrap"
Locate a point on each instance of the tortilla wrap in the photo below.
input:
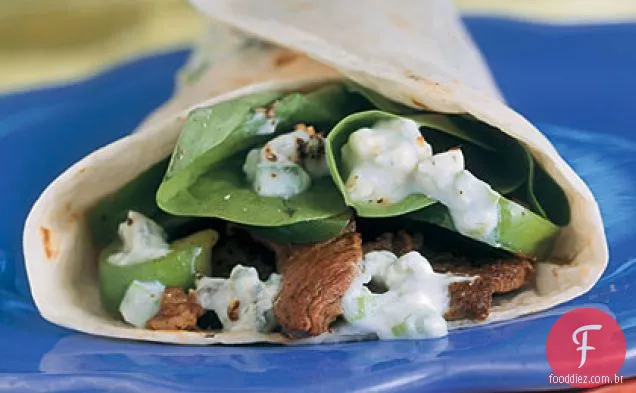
(226, 59)
(432, 66)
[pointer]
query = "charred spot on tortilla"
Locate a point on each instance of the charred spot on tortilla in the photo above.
(418, 103)
(413, 76)
(50, 250)
(285, 59)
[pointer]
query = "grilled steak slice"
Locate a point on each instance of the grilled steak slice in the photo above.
(505, 275)
(284, 251)
(473, 299)
(400, 243)
(315, 278)
(314, 273)
(179, 311)
(469, 300)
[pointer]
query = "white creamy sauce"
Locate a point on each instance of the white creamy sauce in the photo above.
(392, 160)
(254, 310)
(141, 302)
(285, 166)
(413, 305)
(142, 240)
(267, 123)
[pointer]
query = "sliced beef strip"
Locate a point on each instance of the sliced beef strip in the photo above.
(179, 311)
(506, 275)
(307, 310)
(468, 299)
(384, 242)
(400, 243)
(473, 299)
(315, 278)
(284, 251)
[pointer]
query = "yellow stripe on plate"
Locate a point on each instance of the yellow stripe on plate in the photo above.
(45, 41)
(554, 11)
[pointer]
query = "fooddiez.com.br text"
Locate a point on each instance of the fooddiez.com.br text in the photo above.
(584, 379)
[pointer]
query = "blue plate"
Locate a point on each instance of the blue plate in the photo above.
(579, 78)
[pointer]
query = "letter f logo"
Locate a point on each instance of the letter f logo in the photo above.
(571, 339)
(584, 347)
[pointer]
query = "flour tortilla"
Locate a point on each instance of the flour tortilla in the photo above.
(226, 59)
(430, 64)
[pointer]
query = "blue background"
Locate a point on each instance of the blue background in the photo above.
(576, 83)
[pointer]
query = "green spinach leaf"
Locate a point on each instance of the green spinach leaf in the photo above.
(137, 195)
(445, 124)
(213, 134)
(339, 137)
(519, 230)
(205, 178)
(551, 197)
(539, 192)
(224, 192)
(484, 158)
(321, 108)
(379, 101)
(304, 232)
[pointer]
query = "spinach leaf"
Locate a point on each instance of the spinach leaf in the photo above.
(519, 230)
(506, 168)
(552, 198)
(527, 193)
(334, 142)
(484, 157)
(540, 192)
(444, 123)
(211, 135)
(206, 179)
(304, 232)
(379, 101)
(321, 108)
(543, 195)
(224, 192)
(137, 195)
